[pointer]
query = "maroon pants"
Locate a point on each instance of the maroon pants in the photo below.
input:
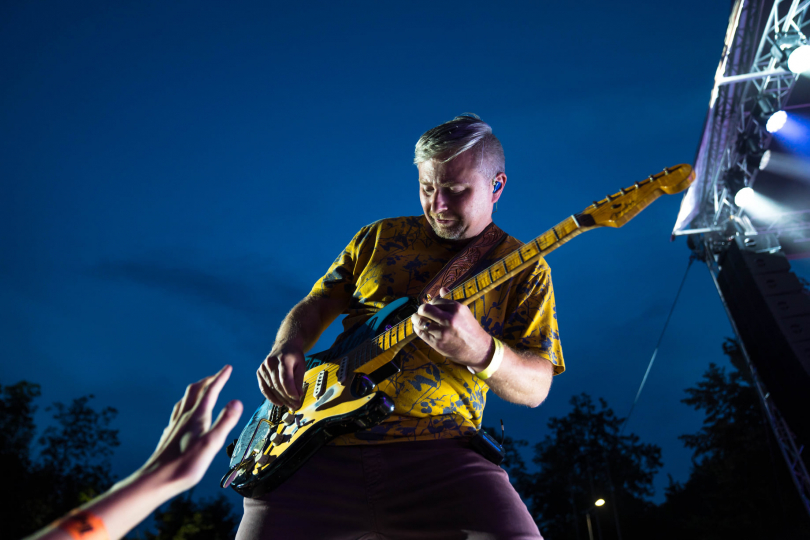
(421, 490)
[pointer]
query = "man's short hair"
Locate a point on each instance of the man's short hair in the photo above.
(461, 134)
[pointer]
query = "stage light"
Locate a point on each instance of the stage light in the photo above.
(744, 197)
(791, 51)
(600, 502)
(799, 59)
(764, 160)
(769, 115)
(776, 121)
(735, 180)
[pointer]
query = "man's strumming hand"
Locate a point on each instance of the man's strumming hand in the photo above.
(281, 375)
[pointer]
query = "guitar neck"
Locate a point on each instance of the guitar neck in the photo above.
(477, 286)
(613, 211)
(520, 259)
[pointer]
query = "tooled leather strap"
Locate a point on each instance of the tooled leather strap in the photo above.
(462, 266)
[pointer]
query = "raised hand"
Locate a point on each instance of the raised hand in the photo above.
(190, 441)
(183, 454)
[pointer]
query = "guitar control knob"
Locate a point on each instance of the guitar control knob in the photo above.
(277, 438)
(288, 418)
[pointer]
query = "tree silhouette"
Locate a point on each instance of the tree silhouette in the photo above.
(69, 465)
(739, 485)
(585, 458)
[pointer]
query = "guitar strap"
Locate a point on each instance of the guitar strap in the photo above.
(465, 263)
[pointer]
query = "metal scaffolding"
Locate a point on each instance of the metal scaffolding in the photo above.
(749, 70)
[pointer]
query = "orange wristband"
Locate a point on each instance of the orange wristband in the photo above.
(84, 526)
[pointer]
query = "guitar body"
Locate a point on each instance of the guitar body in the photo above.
(337, 400)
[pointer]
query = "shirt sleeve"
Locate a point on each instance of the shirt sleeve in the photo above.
(340, 280)
(532, 321)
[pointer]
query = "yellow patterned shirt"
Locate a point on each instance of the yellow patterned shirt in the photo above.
(434, 397)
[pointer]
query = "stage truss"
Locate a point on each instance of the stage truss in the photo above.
(749, 69)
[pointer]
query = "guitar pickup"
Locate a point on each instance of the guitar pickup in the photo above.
(343, 370)
(320, 384)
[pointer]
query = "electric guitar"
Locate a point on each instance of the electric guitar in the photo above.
(339, 389)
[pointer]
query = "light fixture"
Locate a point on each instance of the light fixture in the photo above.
(599, 502)
(769, 115)
(790, 49)
(744, 197)
(764, 160)
(776, 121)
(735, 179)
(799, 59)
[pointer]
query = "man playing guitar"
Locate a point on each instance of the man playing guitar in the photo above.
(414, 475)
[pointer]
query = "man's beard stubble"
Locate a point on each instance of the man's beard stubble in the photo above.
(451, 232)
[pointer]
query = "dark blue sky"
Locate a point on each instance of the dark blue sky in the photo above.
(176, 175)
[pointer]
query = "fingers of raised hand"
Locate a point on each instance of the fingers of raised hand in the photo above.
(201, 451)
(191, 397)
(210, 393)
(176, 411)
(225, 422)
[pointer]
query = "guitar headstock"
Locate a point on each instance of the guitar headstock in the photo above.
(619, 208)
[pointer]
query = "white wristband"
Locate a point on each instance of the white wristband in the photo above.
(494, 364)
